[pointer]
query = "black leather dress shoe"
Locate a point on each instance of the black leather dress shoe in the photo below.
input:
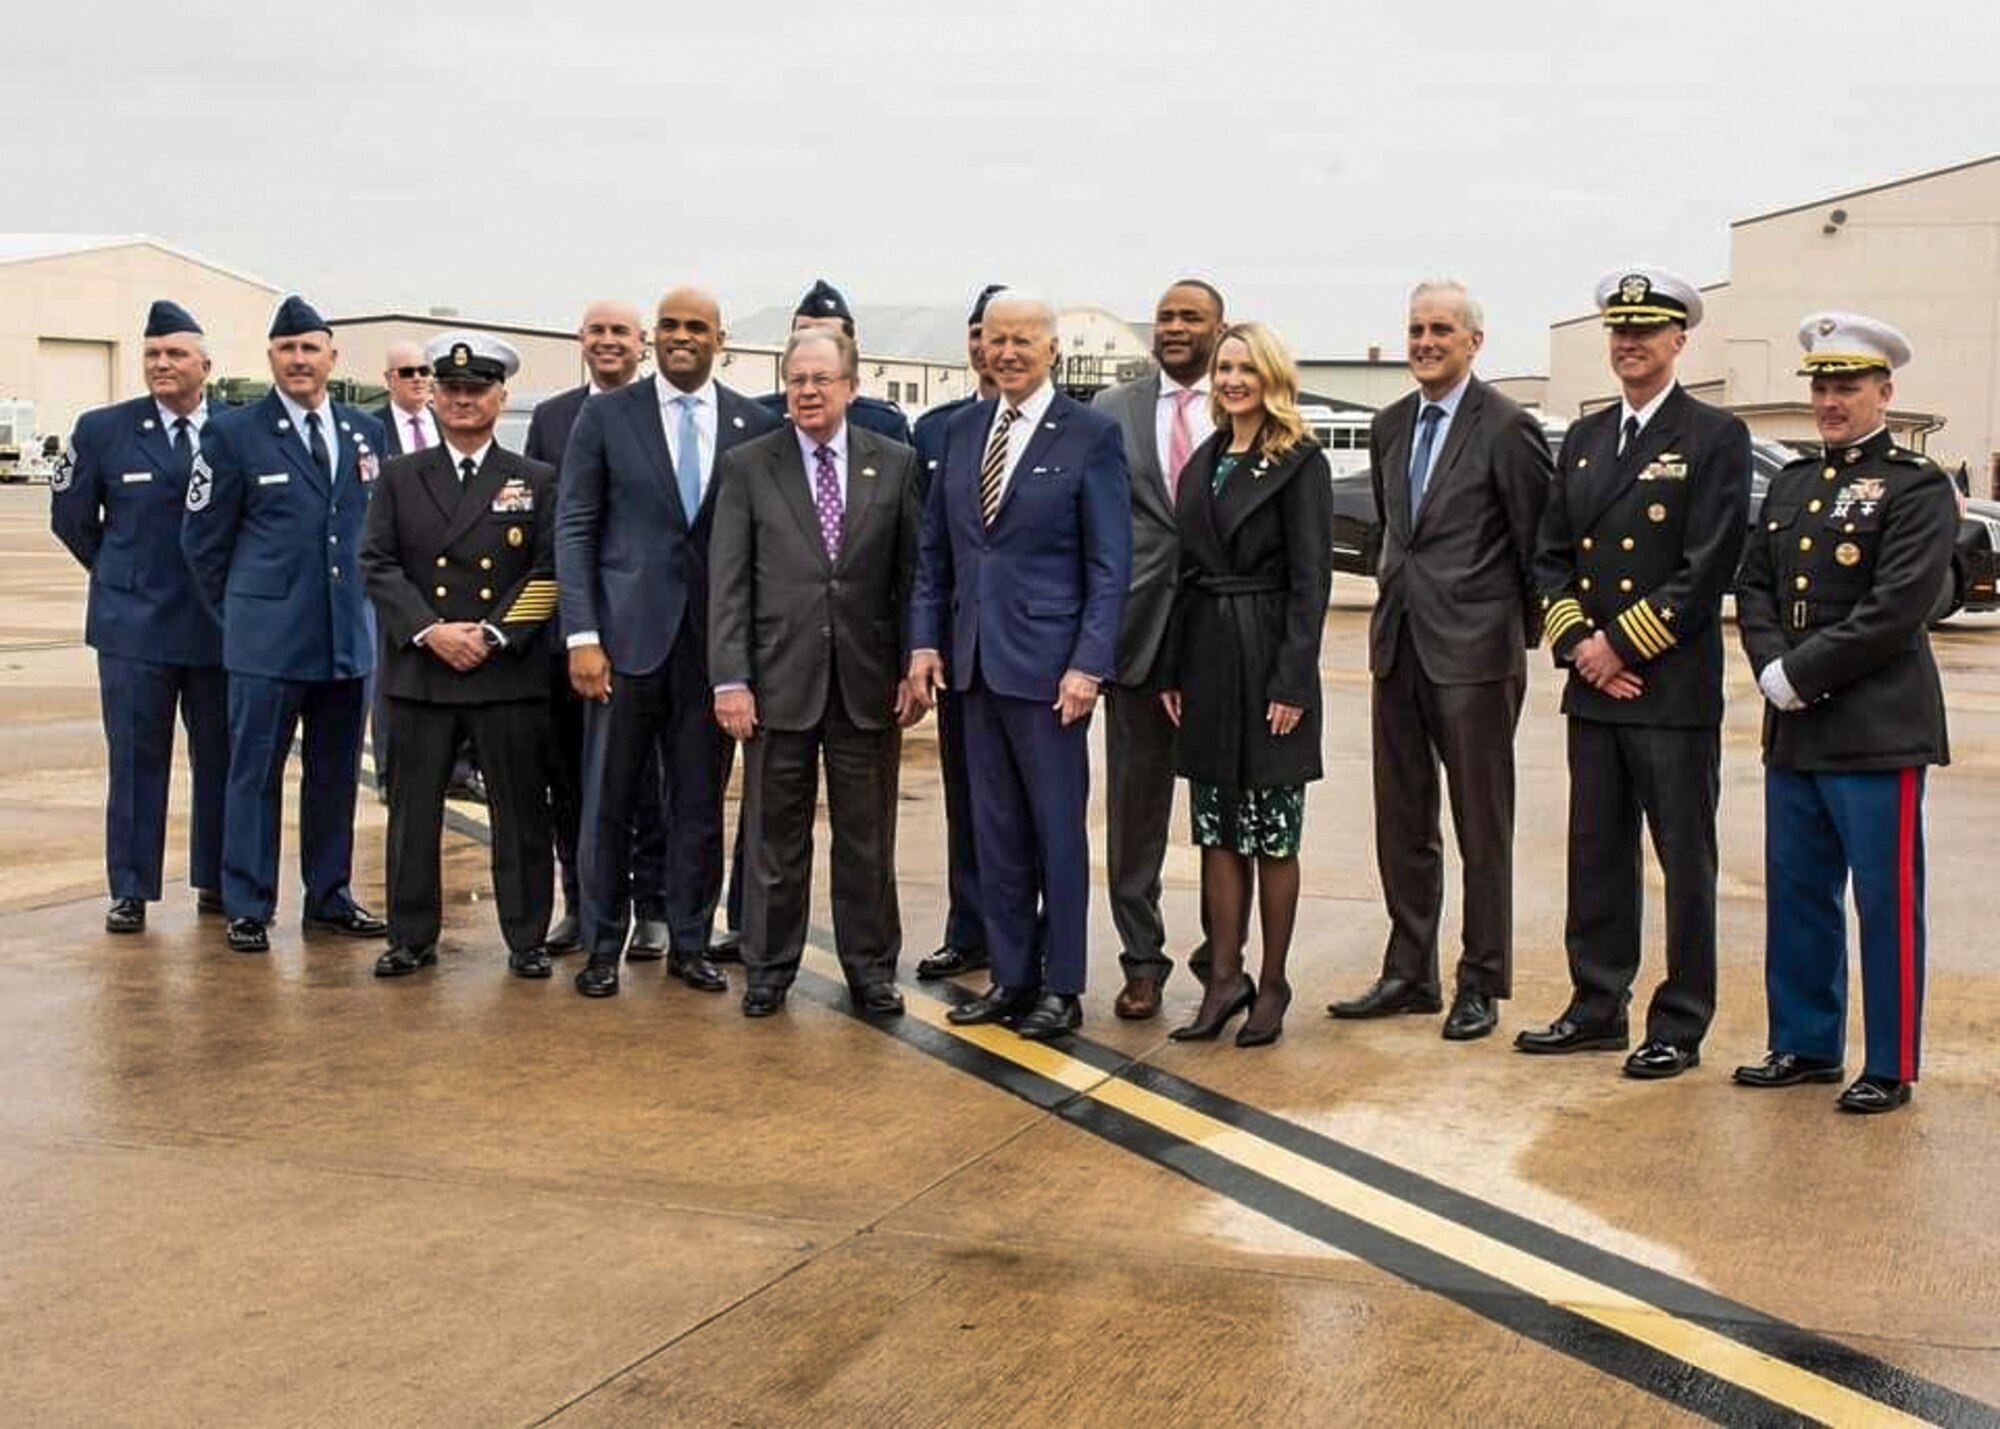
(355, 922)
(247, 935)
(726, 947)
(763, 1001)
(1055, 1014)
(1782, 1069)
(996, 1004)
(598, 980)
(126, 915)
(696, 971)
(1389, 996)
(879, 999)
(1870, 1096)
(401, 961)
(1655, 1061)
(649, 941)
(1563, 1035)
(566, 936)
(1473, 1015)
(469, 785)
(207, 900)
(531, 962)
(949, 961)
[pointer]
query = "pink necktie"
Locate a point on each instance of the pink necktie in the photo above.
(417, 442)
(1180, 441)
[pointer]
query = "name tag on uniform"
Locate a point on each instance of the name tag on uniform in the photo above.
(1668, 467)
(516, 495)
(275, 478)
(132, 477)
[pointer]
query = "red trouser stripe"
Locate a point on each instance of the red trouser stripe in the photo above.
(1906, 924)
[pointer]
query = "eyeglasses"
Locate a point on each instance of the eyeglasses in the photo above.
(819, 382)
(406, 373)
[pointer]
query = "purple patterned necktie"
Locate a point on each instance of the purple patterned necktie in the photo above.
(826, 497)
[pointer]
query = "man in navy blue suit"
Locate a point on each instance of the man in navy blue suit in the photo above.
(632, 566)
(272, 533)
(115, 501)
(1027, 553)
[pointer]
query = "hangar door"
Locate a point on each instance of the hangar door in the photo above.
(71, 377)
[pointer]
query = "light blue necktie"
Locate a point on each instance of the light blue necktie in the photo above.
(1420, 464)
(687, 459)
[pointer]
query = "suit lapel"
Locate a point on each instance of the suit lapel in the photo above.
(864, 465)
(153, 440)
(1396, 423)
(440, 480)
(1143, 415)
(1265, 478)
(1047, 432)
(1655, 437)
(1455, 438)
(732, 427)
(291, 442)
(788, 473)
(477, 494)
(649, 424)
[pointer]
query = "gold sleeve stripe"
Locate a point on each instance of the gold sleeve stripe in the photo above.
(1641, 641)
(1560, 617)
(531, 609)
(1664, 637)
(1645, 631)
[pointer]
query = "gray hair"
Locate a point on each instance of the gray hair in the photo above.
(1469, 311)
(844, 347)
(1021, 297)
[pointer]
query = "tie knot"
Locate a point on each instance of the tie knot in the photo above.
(1432, 413)
(824, 454)
(1008, 415)
(1183, 397)
(686, 404)
(312, 420)
(180, 424)
(465, 466)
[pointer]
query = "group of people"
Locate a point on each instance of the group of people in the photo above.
(671, 569)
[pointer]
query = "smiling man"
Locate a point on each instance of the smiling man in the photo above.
(116, 502)
(1461, 478)
(1636, 549)
(272, 532)
(632, 561)
(1843, 569)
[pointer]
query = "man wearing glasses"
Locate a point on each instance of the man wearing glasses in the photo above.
(407, 419)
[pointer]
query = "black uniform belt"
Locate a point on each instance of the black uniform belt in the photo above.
(1811, 614)
(1211, 583)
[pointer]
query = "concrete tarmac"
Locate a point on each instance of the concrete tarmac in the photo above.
(276, 1190)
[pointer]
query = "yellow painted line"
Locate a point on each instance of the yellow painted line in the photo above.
(1750, 1369)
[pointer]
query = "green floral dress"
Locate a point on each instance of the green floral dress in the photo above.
(1257, 823)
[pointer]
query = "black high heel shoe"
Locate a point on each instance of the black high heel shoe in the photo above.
(1199, 1031)
(1249, 1035)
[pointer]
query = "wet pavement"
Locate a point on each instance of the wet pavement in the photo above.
(275, 1190)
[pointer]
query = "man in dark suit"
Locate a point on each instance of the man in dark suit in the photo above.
(272, 531)
(1163, 417)
(1843, 569)
(1461, 477)
(459, 558)
(1637, 545)
(115, 500)
(824, 307)
(612, 336)
(814, 549)
(1027, 553)
(632, 564)
(964, 947)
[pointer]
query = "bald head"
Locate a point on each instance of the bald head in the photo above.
(412, 393)
(613, 337)
(687, 336)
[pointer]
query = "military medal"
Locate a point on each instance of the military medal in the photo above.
(1847, 553)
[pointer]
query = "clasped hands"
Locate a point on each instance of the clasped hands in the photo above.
(461, 644)
(1597, 660)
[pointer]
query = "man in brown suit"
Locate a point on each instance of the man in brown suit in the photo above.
(1461, 476)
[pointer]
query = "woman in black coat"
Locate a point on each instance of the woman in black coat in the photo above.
(1256, 520)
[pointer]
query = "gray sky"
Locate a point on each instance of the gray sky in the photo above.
(515, 159)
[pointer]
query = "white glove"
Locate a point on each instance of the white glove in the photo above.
(1777, 689)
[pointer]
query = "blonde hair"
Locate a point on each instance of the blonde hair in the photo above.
(1284, 429)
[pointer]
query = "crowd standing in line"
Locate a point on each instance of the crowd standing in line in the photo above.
(672, 568)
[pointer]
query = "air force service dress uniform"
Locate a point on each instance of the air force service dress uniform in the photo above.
(823, 300)
(1844, 565)
(272, 533)
(1639, 540)
(466, 537)
(115, 502)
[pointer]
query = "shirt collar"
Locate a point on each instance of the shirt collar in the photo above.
(1449, 401)
(838, 442)
(168, 416)
(1038, 402)
(1646, 413)
(404, 416)
(478, 457)
(1168, 387)
(298, 413)
(704, 395)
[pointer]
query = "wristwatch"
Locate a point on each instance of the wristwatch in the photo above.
(490, 636)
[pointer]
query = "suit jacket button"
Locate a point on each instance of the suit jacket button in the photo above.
(1625, 584)
(1627, 544)
(440, 592)
(1588, 544)
(485, 563)
(1801, 583)
(485, 594)
(1583, 584)
(443, 561)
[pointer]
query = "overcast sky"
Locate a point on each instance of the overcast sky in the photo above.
(514, 159)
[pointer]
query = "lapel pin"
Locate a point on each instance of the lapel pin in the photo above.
(283, 425)
(146, 425)
(345, 428)
(1582, 462)
(867, 471)
(736, 422)
(1048, 426)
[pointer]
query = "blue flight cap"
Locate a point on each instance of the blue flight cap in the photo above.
(294, 316)
(167, 316)
(979, 308)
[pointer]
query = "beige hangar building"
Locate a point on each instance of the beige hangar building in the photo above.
(1920, 252)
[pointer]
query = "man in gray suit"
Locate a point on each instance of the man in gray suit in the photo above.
(1461, 475)
(812, 555)
(1163, 416)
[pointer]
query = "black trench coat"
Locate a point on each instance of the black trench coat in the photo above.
(1256, 566)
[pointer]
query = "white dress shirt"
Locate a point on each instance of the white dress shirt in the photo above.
(196, 420)
(1645, 414)
(704, 423)
(1200, 423)
(424, 418)
(1021, 433)
(478, 458)
(326, 428)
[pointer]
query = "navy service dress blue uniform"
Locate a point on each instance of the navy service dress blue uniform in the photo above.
(115, 502)
(1639, 540)
(458, 536)
(272, 533)
(823, 303)
(1843, 569)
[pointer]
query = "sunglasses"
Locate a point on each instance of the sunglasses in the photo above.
(408, 372)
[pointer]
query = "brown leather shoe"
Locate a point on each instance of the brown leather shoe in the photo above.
(1140, 999)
